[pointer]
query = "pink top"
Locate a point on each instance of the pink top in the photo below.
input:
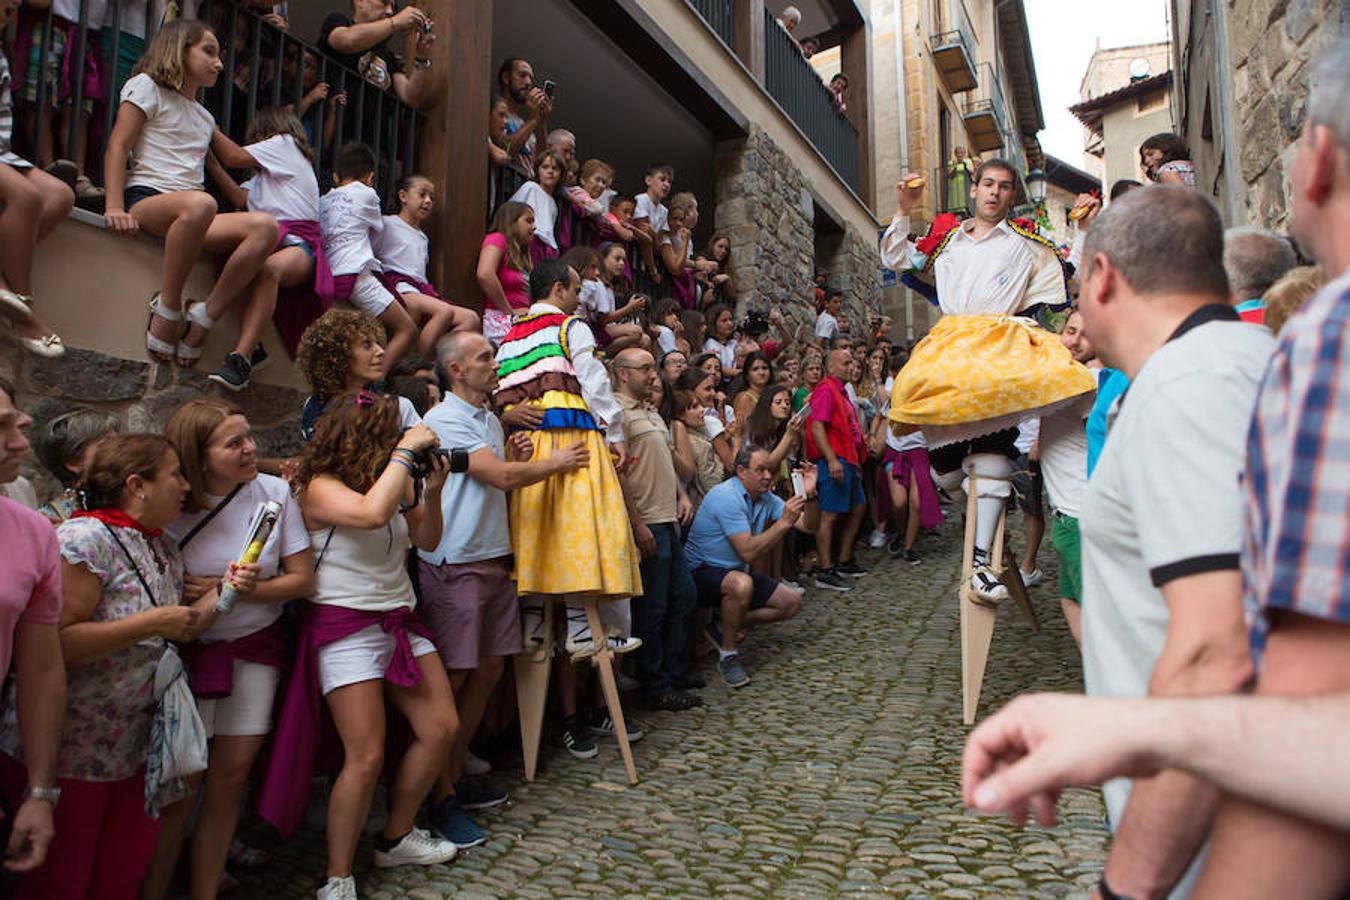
(31, 588)
(515, 283)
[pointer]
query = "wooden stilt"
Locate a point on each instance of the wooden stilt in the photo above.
(1012, 580)
(977, 620)
(603, 660)
(533, 666)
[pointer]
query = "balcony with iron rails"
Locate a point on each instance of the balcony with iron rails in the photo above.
(719, 16)
(954, 52)
(985, 112)
(951, 194)
(795, 85)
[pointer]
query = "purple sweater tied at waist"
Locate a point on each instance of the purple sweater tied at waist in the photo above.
(286, 786)
(211, 665)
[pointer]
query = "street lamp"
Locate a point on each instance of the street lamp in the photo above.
(1036, 186)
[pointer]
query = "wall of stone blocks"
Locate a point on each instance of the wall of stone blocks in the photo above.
(764, 204)
(142, 394)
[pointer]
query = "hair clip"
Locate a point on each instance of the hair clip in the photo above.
(365, 398)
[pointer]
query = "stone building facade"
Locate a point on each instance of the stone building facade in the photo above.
(765, 206)
(1241, 94)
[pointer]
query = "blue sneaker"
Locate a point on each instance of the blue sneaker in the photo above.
(452, 821)
(478, 795)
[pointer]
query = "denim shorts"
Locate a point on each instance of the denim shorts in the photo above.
(839, 496)
(133, 195)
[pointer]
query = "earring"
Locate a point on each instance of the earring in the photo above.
(142, 496)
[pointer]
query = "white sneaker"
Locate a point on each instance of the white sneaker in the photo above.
(986, 586)
(338, 889)
(877, 540)
(474, 765)
(1033, 578)
(418, 847)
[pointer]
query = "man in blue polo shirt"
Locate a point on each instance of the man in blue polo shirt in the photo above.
(741, 521)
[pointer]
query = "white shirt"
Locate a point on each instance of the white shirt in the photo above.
(1064, 455)
(212, 549)
(827, 326)
(1164, 501)
(285, 185)
(363, 568)
(402, 248)
(70, 11)
(726, 353)
(902, 442)
(170, 154)
(350, 218)
(597, 297)
(1027, 432)
(665, 339)
(656, 214)
(1001, 273)
(545, 210)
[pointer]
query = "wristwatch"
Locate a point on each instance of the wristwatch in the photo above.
(50, 795)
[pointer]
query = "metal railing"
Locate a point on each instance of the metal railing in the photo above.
(718, 15)
(958, 34)
(263, 66)
(987, 97)
(792, 81)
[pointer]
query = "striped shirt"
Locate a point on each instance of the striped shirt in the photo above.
(1296, 541)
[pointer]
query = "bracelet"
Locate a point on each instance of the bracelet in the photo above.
(404, 463)
(407, 454)
(420, 63)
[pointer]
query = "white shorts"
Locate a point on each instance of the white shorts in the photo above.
(369, 295)
(248, 709)
(362, 656)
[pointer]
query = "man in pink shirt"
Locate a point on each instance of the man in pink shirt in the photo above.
(30, 614)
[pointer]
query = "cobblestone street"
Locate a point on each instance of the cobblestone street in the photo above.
(835, 772)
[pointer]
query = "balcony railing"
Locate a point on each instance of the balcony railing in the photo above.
(951, 194)
(264, 66)
(985, 112)
(718, 15)
(791, 81)
(954, 52)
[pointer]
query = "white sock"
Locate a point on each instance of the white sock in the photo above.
(723, 654)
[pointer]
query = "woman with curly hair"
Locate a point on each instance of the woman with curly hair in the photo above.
(361, 646)
(343, 350)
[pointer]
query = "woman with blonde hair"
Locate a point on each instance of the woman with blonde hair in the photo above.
(1286, 296)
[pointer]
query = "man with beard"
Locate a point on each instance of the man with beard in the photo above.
(527, 126)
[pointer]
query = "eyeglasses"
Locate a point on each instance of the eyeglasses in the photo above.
(645, 367)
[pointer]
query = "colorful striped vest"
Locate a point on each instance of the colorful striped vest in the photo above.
(535, 367)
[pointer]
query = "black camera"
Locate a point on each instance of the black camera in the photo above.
(755, 324)
(425, 461)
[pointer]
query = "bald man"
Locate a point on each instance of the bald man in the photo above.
(653, 489)
(834, 442)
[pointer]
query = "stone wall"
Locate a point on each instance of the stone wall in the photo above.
(764, 205)
(1272, 44)
(143, 394)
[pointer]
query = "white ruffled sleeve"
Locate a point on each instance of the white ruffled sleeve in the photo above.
(594, 378)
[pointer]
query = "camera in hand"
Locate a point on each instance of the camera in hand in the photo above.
(755, 324)
(458, 458)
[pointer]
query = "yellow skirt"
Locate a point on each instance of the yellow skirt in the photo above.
(570, 533)
(974, 375)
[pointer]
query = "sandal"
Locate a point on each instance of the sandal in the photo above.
(160, 350)
(49, 346)
(16, 307)
(185, 354)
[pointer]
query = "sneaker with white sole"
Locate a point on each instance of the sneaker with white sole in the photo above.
(338, 889)
(986, 585)
(733, 673)
(1032, 578)
(577, 738)
(830, 580)
(877, 540)
(604, 725)
(418, 847)
(234, 373)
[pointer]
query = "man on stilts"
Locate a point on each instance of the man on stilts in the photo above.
(983, 368)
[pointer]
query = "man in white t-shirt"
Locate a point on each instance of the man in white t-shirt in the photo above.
(1162, 516)
(827, 323)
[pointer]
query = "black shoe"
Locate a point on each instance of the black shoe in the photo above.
(605, 726)
(831, 580)
(912, 556)
(671, 701)
(234, 373)
(896, 547)
(851, 569)
(690, 681)
(258, 358)
(577, 738)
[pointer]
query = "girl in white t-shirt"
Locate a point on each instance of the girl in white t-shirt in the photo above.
(220, 463)
(283, 186)
(542, 196)
(615, 326)
(403, 250)
(165, 134)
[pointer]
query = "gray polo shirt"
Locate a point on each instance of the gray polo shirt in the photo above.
(1164, 501)
(475, 526)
